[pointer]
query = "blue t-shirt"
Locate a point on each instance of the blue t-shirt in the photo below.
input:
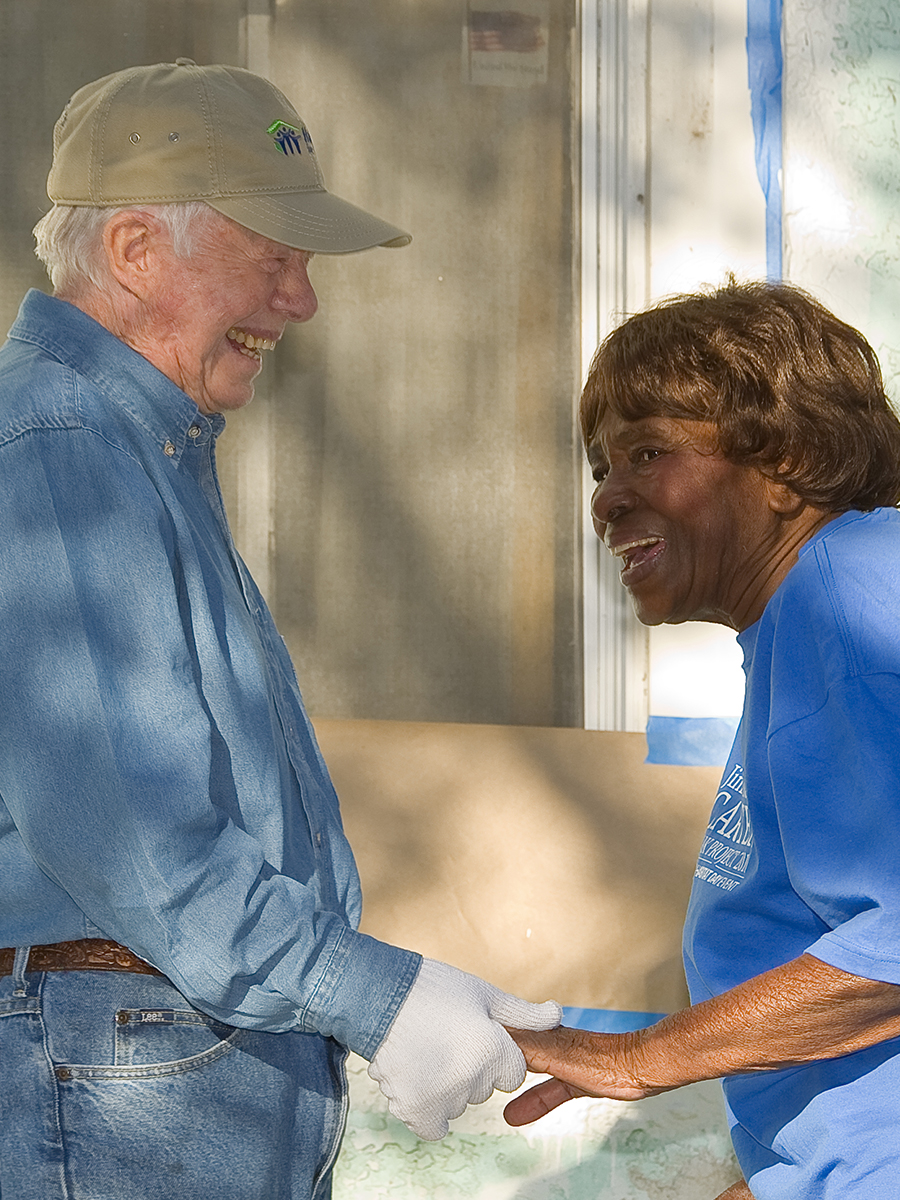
(802, 854)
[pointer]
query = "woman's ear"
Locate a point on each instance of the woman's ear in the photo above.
(782, 498)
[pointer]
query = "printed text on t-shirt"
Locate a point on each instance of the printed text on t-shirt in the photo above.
(725, 853)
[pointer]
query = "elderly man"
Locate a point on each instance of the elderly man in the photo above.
(748, 468)
(182, 975)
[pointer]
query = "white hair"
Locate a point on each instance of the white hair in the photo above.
(70, 238)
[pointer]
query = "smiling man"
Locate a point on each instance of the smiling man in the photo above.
(181, 974)
(748, 470)
(204, 320)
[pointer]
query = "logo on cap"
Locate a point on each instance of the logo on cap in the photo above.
(288, 139)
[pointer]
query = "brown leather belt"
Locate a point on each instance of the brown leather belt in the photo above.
(88, 954)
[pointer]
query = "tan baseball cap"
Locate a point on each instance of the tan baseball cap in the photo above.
(178, 132)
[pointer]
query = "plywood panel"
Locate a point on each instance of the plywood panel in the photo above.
(554, 862)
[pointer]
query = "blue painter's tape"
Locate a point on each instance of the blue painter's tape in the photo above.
(765, 69)
(608, 1020)
(690, 741)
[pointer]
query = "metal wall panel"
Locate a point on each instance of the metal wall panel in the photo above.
(424, 507)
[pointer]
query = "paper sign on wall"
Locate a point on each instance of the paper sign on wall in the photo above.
(506, 46)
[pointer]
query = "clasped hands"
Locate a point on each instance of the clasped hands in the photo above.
(456, 1038)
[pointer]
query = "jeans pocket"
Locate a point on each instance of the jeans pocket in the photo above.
(152, 1042)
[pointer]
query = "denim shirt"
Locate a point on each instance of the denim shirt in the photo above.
(160, 783)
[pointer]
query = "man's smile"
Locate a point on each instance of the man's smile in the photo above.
(248, 344)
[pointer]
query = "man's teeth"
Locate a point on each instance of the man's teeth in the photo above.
(248, 343)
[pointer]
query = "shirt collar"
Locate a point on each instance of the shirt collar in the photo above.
(142, 390)
(830, 527)
(747, 638)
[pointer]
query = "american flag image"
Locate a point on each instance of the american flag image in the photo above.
(508, 31)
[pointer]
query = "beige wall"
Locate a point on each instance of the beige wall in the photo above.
(554, 862)
(422, 558)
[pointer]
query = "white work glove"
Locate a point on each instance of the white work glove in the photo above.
(447, 1047)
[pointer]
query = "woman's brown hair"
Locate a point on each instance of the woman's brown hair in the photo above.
(794, 391)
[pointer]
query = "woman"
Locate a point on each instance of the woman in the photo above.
(747, 465)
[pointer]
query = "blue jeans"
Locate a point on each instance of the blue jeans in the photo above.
(112, 1087)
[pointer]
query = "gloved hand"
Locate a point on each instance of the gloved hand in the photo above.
(447, 1047)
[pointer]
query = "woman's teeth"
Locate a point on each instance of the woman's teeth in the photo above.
(248, 344)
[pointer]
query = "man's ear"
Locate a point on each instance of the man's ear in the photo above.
(132, 242)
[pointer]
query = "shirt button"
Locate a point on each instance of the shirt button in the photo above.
(194, 431)
(169, 449)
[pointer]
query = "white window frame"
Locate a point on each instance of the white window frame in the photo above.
(614, 282)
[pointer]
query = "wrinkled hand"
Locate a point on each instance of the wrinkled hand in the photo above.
(448, 1047)
(583, 1064)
